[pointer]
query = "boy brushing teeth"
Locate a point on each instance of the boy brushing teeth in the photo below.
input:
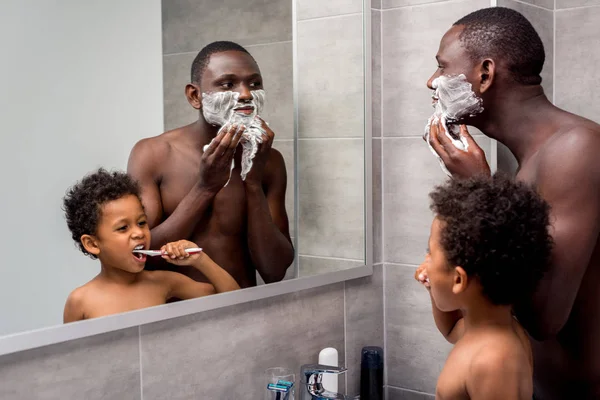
(107, 221)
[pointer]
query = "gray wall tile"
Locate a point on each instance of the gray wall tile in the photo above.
(275, 62)
(377, 203)
(98, 367)
(331, 77)
(548, 4)
(307, 9)
(394, 393)
(331, 197)
(376, 4)
(376, 72)
(410, 172)
(317, 265)
(286, 148)
(561, 4)
(189, 25)
(223, 353)
(411, 38)
(176, 74)
(404, 3)
(543, 22)
(577, 55)
(416, 350)
(364, 322)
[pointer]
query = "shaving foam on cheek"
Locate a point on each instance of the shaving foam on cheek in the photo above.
(455, 101)
(219, 110)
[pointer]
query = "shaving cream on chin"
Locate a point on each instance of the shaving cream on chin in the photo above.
(455, 101)
(218, 109)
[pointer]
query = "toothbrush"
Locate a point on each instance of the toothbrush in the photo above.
(154, 253)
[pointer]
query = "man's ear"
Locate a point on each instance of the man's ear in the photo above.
(460, 280)
(487, 74)
(194, 96)
(90, 243)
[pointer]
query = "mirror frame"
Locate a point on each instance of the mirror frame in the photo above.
(21, 341)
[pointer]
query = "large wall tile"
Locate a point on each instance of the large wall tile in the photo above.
(331, 77)
(561, 4)
(577, 55)
(189, 25)
(416, 350)
(543, 22)
(275, 63)
(377, 203)
(385, 4)
(364, 322)
(307, 9)
(548, 4)
(411, 38)
(286, 148)
(376, 4)
(98, 367)
(410, 172)
(394, 393)
(222, 354)
(331, 197)
(317, 265)
(176, 74)
(376, 72)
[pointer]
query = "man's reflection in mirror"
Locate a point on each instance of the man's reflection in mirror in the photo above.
(107, 222)
(195, 182)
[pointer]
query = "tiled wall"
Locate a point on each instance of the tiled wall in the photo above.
(220, 354)
(330, 135)
(406, 36)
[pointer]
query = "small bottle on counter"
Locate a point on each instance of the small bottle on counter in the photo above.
(371, 373)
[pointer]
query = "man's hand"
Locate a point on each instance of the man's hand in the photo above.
(421, 274)
(215, 165)
(175, 253)
(255, 175)
(461, 164)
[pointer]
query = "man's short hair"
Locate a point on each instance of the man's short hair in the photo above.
(504, 34)
(496, 229)
(83, 202)
(201, 61)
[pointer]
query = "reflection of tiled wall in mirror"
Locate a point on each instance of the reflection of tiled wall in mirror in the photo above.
(189, 26)
(330, 135)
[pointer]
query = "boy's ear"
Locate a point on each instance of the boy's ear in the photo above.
(90, 244)
(459, 285)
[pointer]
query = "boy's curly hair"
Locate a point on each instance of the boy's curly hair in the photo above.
(83, 202)
(497, 230)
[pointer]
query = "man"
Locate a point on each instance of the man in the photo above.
(502, 56)
(193, 194)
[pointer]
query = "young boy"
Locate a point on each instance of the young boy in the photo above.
(488, 249)
(107, 221)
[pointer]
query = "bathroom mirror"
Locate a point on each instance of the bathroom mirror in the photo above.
(83, 81)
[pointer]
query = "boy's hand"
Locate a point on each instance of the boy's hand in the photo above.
(421, 275)
(175, 252)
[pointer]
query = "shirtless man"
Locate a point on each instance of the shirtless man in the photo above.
(502, 56)
(243, 225)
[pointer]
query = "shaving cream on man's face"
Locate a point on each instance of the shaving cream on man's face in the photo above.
(224, 109)
(455, 101)
(219, 108)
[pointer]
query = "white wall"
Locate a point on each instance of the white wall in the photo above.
(80, 83)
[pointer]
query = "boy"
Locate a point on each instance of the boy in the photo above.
(107, 221)
(488, 249)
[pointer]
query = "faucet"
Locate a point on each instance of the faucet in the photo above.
(312, 388)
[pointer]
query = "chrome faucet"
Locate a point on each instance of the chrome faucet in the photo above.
(311, 387)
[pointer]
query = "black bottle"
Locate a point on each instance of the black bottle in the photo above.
(371, 373)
